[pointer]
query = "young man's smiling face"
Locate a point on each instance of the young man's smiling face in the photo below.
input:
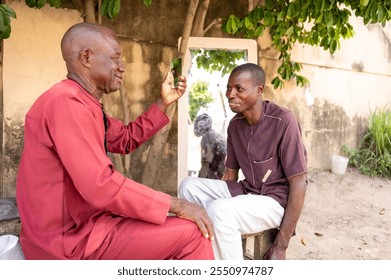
(243, 92)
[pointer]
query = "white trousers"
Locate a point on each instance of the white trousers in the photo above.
(231, 216)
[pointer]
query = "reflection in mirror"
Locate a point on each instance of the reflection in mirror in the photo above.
(208, 114)
(207, 65)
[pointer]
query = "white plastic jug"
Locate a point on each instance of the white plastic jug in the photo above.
(10, 248)
(339, 165)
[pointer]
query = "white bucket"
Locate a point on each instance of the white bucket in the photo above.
(339, 165)
(10, 248)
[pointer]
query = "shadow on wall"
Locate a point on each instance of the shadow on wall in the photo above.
(13, 146)
(330, 129)
(325, 127)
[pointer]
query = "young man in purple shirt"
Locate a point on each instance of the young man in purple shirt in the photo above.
(264, 142)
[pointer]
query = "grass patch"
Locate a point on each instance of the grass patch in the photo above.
(373, 155)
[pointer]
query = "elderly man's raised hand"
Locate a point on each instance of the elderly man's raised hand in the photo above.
(169, 93)
(193, 212)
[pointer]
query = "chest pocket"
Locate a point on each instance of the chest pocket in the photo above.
(266, 170)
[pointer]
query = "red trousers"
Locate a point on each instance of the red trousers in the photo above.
(176, 239)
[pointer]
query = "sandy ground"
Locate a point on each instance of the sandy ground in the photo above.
(345, 217)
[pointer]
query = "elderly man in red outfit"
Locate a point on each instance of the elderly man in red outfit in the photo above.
(73, 204)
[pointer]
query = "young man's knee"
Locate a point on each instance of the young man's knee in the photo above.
(218, 210)
(184, 190)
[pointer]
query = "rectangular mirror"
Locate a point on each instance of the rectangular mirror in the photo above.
(215, 104)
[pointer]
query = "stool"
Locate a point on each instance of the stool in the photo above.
(262, 242)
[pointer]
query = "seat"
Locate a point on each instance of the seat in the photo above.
(262, 242)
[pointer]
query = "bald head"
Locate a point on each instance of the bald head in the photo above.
(81, 36)
(92, 54)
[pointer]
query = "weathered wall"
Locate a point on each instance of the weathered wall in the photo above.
(149, 36)
(345, 86)
(32, 63)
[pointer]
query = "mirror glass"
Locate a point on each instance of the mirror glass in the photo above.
(212, 85)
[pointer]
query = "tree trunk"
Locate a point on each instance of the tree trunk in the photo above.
(199, 20)
(188, 26)
(151, 169)
(125, 109)
(159, 140)
(2, 189)
(89, 6)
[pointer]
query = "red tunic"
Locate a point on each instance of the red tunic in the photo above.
(69, 195)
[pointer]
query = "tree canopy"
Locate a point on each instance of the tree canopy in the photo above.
(199, 97)
(219, 60)
(320, 23)
(5, 22)
(317, 23)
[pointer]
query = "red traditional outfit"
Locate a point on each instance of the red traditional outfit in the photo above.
(73, 204)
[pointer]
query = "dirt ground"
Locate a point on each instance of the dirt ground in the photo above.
(345, 217)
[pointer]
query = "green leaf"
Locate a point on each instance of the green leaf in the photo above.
(329, 19)
(147, 3)
(41, 3)
(4, 21)
(248, 23)
(31, 3)
(367, 13)
(5, 34)
(301, 80)
(318, 5)
(319, 19)
(8, 10)
(103, 8)
(373, 13)
(5, 27)
(324, 43)
(333, 46)
(232, 27)
(293, 11)
(110, 8)
(257, 13)
(259, 31)
(277, 83)
(315, 37)
(323, 6)
(381, 12)
(268, 19)
(281, 16)
(364, 2)
(55, 3)
(116, 7)
(290, 30)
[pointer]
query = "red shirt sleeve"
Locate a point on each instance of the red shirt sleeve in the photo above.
(76, 131)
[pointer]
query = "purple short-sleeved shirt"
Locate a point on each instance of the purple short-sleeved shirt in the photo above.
(267, 152)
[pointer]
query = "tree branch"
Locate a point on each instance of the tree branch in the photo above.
(213, 23)
(199, 20)
(188, 26)
(125, 109)
(90, 11)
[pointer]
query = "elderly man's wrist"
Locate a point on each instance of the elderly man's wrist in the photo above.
(175, 204)
(161, 104)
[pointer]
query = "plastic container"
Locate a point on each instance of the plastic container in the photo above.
(339, 165)
(10, 248)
